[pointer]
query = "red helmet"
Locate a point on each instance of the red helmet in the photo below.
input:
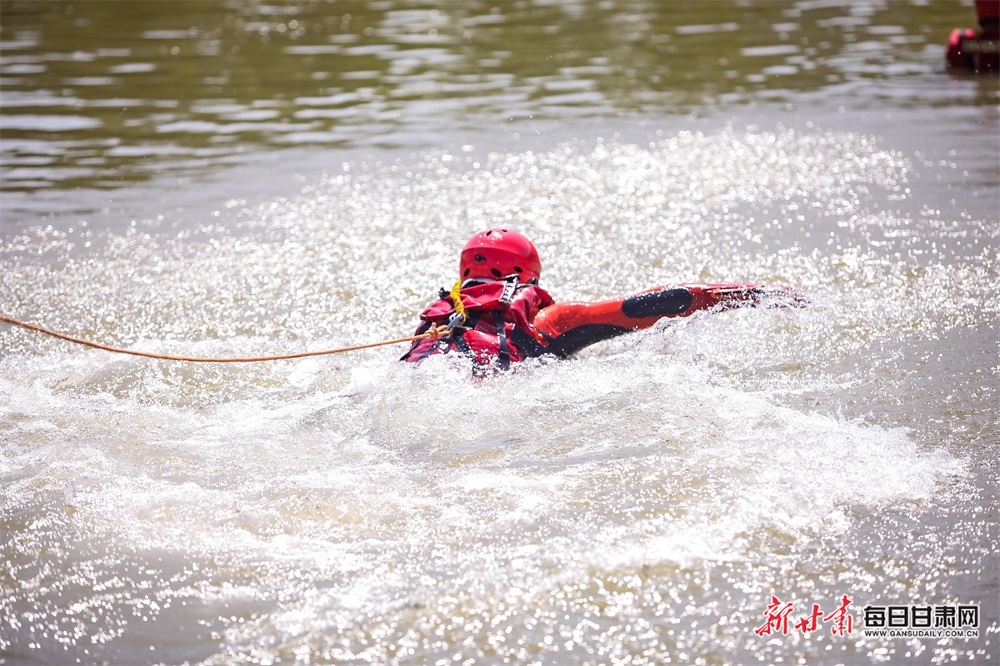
(497, 253)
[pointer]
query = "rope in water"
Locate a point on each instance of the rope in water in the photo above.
(433, 332)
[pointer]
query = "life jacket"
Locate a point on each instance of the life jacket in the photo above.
(497, 326)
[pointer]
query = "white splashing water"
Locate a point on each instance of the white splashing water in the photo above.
(641, 501)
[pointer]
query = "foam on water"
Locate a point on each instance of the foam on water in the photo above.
(642, 500)
(318, 514)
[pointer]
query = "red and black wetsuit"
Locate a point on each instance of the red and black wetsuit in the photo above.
(507, 322)
(974, 51)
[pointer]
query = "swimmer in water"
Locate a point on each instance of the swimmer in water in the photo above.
(498, 315)
(977, 51)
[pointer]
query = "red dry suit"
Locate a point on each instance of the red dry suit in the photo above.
(507, 322)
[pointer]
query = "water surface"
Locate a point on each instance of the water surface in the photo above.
(246, 178)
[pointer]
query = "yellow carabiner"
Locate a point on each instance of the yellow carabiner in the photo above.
(456, 299)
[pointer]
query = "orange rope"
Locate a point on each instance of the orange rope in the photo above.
(434, 332)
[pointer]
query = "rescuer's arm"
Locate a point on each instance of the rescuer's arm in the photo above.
(569, 327)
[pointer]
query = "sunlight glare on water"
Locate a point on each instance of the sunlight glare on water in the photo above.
(640, 502)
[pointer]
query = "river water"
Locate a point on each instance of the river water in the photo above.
(237, 177)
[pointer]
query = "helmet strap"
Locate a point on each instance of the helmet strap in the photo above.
(509, 288)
